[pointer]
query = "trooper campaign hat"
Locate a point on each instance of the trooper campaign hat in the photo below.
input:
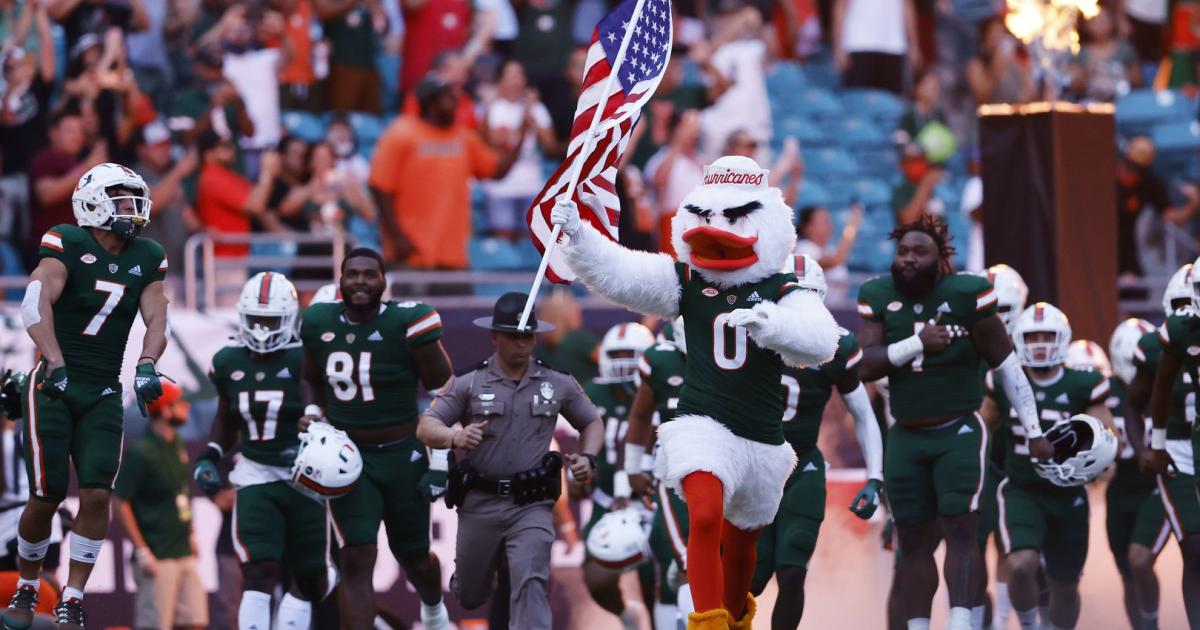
(507, 314)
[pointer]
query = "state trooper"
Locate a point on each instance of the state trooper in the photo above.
(502, 414)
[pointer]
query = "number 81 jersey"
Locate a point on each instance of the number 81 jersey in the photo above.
(93, 315)
(265, 395)
(370, 379)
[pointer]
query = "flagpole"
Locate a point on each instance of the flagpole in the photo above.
(589, 142)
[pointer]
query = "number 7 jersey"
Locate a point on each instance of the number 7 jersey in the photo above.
(368, 371)
(95, 311)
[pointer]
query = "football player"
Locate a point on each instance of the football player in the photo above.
(1172, 438)
(363, 360)
(928, 329)
(92, 279)
(612, 392)
(659, 379)
(258, 386)
(1136, 521)
(1039, 518)
(786, 545)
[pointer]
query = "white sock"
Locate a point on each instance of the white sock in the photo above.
(1044, 616)
(665, 615)
(37, 585)
(629, 619)
(918, 624)
(960, 619)
(254, 613)
(1003, 606)
(72, 593)
(293, 614)
(684, 599)
(435, 617)
(977, 614)
(1027, 618)
(1149, 619)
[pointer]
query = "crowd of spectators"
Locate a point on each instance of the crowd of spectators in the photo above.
(424, 126)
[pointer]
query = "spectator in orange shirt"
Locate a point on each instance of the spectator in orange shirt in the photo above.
(226, 201)
(420, 175)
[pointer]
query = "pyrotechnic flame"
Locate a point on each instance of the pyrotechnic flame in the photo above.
(1050, 22)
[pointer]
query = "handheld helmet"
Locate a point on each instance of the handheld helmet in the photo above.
(1083, 448)
(328, 463)
(620, 540)
(1011, 292)
(620, 351)
(1041, 318)
(112, 197)
(327, 294)
(267, 310)
(1123, 345)
(809, 275)
(1085, 354)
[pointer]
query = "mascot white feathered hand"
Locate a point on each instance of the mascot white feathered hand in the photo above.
(743, 319)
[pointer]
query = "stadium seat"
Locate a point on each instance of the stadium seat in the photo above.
(881, 162)
(812, 193)
(493, 254)
(816, 101)
(883, 107)
(822, 73)
(973, 10)
(1181, 137)
(303, 125)
(829, 161)
(1140, 110)
(784, 79)
(801, 128)
(854, 131)
(871, 192)
(367, 127)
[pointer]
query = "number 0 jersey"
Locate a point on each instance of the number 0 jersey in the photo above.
(95, 311)
(936, 385)
(370, 379)
(808, 390)
(1183, 395)
(730, 378)
(265, 396)
(1073, 392)
(661, 368)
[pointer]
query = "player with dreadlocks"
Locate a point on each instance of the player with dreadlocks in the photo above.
(927, 328)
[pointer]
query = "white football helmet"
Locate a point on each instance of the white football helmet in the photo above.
(328, 463)
(97, 203)
(630, 338)
(1085, 354)
(1041, 317)
(1011, 292)
(268, 295)
(1083, 448)
(1123, 344)
(1178, 289)
(620, 540)
(809, 275)
(327, 294)
(680, 340)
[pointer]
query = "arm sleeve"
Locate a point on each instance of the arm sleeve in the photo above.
(578, 408)
(424, 328)
(866, 427)
(450, 404)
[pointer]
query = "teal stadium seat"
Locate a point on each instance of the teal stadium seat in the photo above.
(883, 107)
(830, 161)
(856, 131)
(1141, 110)
(367, 127)
(302, 124)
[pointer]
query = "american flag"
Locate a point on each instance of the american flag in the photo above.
(637, 76)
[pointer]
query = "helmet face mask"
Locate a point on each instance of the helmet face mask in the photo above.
(1083, 448)
(267, 312)
(114, 198)
(621, 350)
(1041, 336)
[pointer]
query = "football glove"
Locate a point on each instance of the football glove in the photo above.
(867, 499)
(54, 384)
(433, 484)
(147, 386)
(206, 474)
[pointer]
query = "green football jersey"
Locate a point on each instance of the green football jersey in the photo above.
(265, 395)
(1073, 392)
(1182, 416)
(808, 390)
(613, 400)
(942, 384)
(662, 367)
(1128, 475)
(730, 378)
(95, 311)
(370, 378)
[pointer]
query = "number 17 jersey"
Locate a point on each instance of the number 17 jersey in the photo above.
(265, 396)
(367, 370)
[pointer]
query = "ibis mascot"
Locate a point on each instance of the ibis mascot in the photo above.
(744, 318)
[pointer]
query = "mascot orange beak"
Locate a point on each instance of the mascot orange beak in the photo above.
(719, 250)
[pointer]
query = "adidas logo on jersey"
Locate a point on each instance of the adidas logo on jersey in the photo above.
(1062, 399)
(1078, 502)
(809, 468)
(375, 336)
(964, 429)
(136, 271)
(108, 391)
(284, 373)
(754, 297)
(943, 308)
(416, 455)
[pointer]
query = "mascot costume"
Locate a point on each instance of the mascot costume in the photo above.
(743, 319)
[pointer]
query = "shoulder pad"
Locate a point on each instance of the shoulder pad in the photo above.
(478, 366)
